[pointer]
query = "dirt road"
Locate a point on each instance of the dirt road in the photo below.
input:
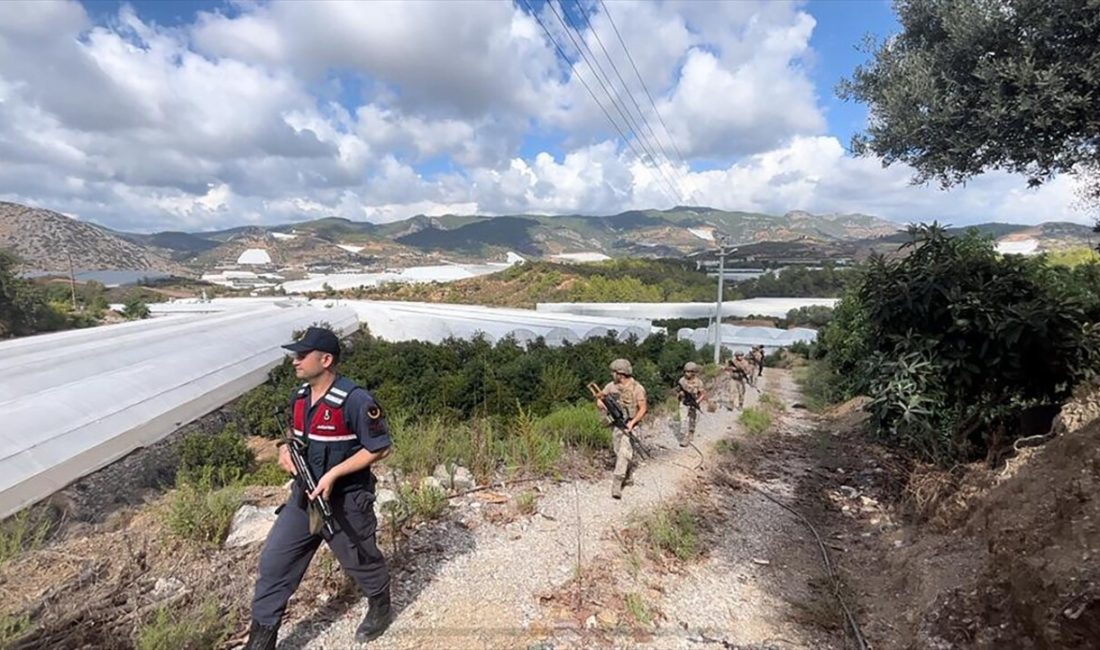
(493, 588)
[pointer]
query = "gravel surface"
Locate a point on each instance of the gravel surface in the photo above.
(757, 579)
(487, 594)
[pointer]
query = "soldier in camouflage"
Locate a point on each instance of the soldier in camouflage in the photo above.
(631, 396)
(740, 370)
(689, 384)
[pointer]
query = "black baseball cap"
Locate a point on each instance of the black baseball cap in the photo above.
(316, 338)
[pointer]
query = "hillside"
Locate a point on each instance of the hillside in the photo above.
(41, 236)
(43, 240)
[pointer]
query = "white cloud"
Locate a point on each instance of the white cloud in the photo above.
(381, 110)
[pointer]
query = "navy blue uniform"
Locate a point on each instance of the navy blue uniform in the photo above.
(346, 419)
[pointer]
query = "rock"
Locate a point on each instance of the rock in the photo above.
(166, 588)
(382, 498)
(431, 482)
(590, 623)
(455, 477)
(250, 524)
(607, 618)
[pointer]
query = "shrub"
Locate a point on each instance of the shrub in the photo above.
(219, 459)
(170, 629)
(955, 343)
(201, 513)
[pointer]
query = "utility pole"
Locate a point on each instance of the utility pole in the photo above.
(718, 307)
(72, 278)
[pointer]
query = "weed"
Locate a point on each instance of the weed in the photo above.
(24, 531)
(772, 403)
(673, 531)
(13, 627)
(527, 502)
(425, 502)
(528, 450)
(755, 421)
(170, 629)
(636, 607)
(199, 512)
(727, 446)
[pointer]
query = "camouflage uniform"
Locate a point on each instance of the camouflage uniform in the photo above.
(740, 370)
(689, 383)
(631, 397)
(757, 355)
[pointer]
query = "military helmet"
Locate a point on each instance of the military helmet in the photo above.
(739, 354)
(691, 366)
(622, 366)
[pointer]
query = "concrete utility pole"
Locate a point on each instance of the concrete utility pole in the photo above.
(722, 242)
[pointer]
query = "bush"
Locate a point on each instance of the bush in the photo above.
(135, 309)
(171, 629)
(199, 512)
(955, 343)
(219, 459)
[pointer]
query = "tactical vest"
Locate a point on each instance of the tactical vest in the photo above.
(329, 440)
(628, 399)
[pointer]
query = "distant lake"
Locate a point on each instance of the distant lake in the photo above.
(108, 278)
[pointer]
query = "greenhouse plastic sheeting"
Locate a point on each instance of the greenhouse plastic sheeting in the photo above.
(433, 322)
(737, 338)
(774, 307)
(76, 401)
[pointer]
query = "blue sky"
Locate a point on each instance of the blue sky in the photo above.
(178, 114)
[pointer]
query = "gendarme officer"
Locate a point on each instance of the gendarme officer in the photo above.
(346, 433)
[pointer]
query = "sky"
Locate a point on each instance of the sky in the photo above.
(186, 115)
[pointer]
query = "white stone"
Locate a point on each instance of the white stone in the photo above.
(250, 525)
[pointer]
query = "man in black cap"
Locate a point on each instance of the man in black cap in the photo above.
(346, 432)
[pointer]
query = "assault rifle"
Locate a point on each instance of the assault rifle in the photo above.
(688, 398)
(737, 371)
(307, 483)
(618, 418)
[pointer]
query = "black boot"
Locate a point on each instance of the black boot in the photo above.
(378, 618)
(262, 637)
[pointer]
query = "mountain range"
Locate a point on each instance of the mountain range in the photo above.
(44, 239)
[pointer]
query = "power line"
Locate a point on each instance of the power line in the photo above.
(652, 103)
(580, 78)
(626, 89)
(597, 70)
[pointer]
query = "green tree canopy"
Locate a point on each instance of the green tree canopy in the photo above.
(986, 84)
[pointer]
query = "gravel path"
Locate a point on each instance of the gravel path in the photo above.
(487, 596)
(761, 575)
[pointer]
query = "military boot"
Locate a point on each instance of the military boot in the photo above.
(378, 618)
(262, 637)
(617, 486)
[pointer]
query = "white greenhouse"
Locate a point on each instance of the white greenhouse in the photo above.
(76, 401)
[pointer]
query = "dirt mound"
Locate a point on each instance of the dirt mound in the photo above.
(1040, 583)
